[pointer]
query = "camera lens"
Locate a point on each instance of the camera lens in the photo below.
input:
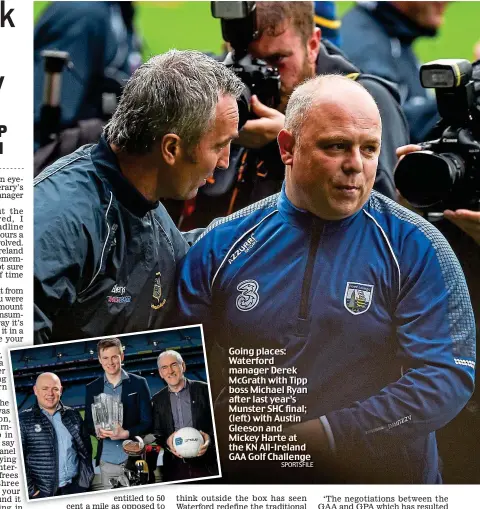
(426, 179)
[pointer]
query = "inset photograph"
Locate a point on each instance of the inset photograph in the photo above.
(114, 412)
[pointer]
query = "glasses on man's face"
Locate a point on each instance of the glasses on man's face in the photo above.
(173, 365)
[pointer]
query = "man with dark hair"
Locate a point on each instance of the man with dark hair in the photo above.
(56, 445)
(132, 390)
(182, 403)
(105, 248)
(350, 291)
(289, 41)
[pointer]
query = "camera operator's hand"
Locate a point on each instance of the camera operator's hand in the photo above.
(466, 220)
(476, 51)
(258, 132)
(406, 149)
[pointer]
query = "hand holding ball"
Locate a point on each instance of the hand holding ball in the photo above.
(187, 442)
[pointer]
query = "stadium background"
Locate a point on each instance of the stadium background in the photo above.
(76, 363)
(189, 25)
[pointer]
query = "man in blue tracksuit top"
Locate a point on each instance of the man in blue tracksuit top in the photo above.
(355, 293)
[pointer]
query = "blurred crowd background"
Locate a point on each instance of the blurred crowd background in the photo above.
(164, 25)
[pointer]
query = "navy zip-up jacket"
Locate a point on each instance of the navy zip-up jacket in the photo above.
(105, 256)
(373, 310)
(39, 445)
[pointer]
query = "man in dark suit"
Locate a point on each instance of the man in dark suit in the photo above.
(135, 396)
(182, 403)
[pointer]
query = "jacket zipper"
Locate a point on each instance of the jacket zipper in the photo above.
(57, 462)
(317, 230)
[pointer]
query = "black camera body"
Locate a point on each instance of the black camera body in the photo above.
(239, 28)
(258, 78)
(446, 173)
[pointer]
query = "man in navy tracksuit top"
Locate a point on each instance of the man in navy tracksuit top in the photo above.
(361, 296)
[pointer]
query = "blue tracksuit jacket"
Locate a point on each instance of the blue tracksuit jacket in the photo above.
(373, 310)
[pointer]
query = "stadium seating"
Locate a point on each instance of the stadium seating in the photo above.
(76, 363)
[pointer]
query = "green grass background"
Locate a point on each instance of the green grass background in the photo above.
(189, 25)
(93, 440)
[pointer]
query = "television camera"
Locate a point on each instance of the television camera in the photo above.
(445, 174)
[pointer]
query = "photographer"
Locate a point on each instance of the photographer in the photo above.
(441, 177)
(462, 230)
(466, 220)
(288, 40)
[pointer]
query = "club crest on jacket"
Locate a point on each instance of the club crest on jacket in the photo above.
(358, 297)
(157, 293)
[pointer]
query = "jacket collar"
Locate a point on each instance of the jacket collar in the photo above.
(331, 60)
(306, 220)
(60, 407)
(186, 386)
(395, 23)
(123, 376)
(106, 163)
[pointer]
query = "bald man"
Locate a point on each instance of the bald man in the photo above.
(56, 446)
(348, 290)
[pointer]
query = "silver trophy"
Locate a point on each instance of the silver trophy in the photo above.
(107, 412)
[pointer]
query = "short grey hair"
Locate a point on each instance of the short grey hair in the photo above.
(172, 353)
(176, 92)
(305, 95)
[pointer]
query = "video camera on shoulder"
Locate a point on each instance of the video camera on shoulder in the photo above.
(239, 28)
(446, 173)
